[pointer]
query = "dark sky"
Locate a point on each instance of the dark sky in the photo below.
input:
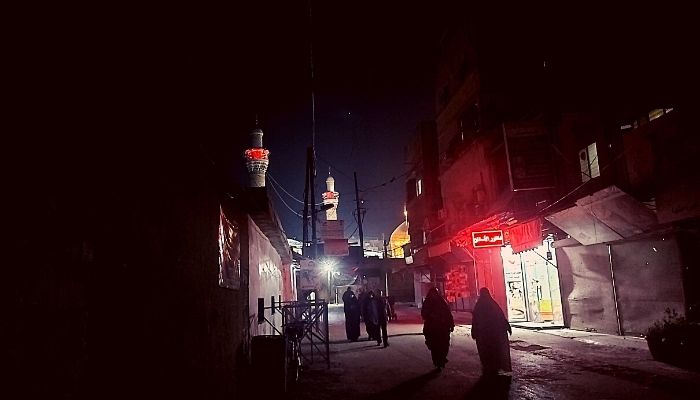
(373, 66)
(121, 97)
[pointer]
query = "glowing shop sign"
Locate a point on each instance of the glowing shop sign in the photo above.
(487, 238)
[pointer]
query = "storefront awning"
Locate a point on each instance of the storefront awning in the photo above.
(605, 216)
(526, 236)
(439, 249)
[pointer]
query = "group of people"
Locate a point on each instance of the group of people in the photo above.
(490, 328)
(368, 307)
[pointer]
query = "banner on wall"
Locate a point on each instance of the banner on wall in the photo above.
(309, 275)
(526, 236)
(229, 253)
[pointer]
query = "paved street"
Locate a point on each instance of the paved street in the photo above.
(547, 364)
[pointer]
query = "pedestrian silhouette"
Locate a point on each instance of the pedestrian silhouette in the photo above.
(490, 329)
(438, 323)
(351, 307)
(383, 318)
(375, 319)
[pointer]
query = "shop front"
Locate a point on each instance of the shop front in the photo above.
(532, 285)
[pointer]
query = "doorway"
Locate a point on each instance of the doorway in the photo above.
(532, 285)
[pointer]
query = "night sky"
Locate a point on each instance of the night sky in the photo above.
(132, 95)
(373, 84)
(374, 66)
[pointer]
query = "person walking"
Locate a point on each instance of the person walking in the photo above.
(374, 314)
(382, 317)
(438, 323)
(490, 329)
(363, 297)
(391, 300)
(351, 307)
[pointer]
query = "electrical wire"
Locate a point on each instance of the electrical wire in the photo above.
(584, 183)
(335, 168)
(285, 203)
(272, 180)
(394, 178)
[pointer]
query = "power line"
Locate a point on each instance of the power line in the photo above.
(334, 167)
(282, 187)
(584, 183)
(285, 203)
(285, 190)
(394, 178)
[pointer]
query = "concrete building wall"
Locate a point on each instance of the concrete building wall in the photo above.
(458, 185)
(489, 272)
(586, 288)
(265, 271)
(648, 280)
(401, 286)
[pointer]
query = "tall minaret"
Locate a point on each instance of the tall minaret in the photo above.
(330, 196)
(256, 159)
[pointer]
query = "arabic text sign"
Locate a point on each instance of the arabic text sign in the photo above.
(487, 238)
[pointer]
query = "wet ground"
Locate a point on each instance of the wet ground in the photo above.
(547, 364)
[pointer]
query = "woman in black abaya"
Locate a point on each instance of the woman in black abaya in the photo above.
(437, 327)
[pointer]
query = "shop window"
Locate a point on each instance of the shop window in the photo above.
(588, 158)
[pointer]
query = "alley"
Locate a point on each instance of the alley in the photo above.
(547, 364)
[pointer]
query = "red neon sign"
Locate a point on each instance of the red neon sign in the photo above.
(487, 238)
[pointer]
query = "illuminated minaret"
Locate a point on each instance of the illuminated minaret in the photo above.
(256, 159)
(330, 196)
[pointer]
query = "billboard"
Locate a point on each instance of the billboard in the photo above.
(333, 229)
(336, 247)
(310, 275)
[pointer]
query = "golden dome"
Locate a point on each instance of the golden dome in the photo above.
(398, 238)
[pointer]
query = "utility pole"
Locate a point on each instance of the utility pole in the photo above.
(305, 241)
(312, 200)
(359, 220)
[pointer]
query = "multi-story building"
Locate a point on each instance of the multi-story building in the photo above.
(543, 193)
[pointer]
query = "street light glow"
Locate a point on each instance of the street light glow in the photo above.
(328, 265)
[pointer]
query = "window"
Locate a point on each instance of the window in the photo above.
(654, 114)
(419, 186)
(410, 189)
(588, 158)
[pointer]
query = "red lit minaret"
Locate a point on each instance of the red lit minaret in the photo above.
(330, 196)
(256, 159)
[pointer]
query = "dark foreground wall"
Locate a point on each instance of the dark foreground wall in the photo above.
(114, 288)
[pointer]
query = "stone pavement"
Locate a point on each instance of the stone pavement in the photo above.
(547, 364)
